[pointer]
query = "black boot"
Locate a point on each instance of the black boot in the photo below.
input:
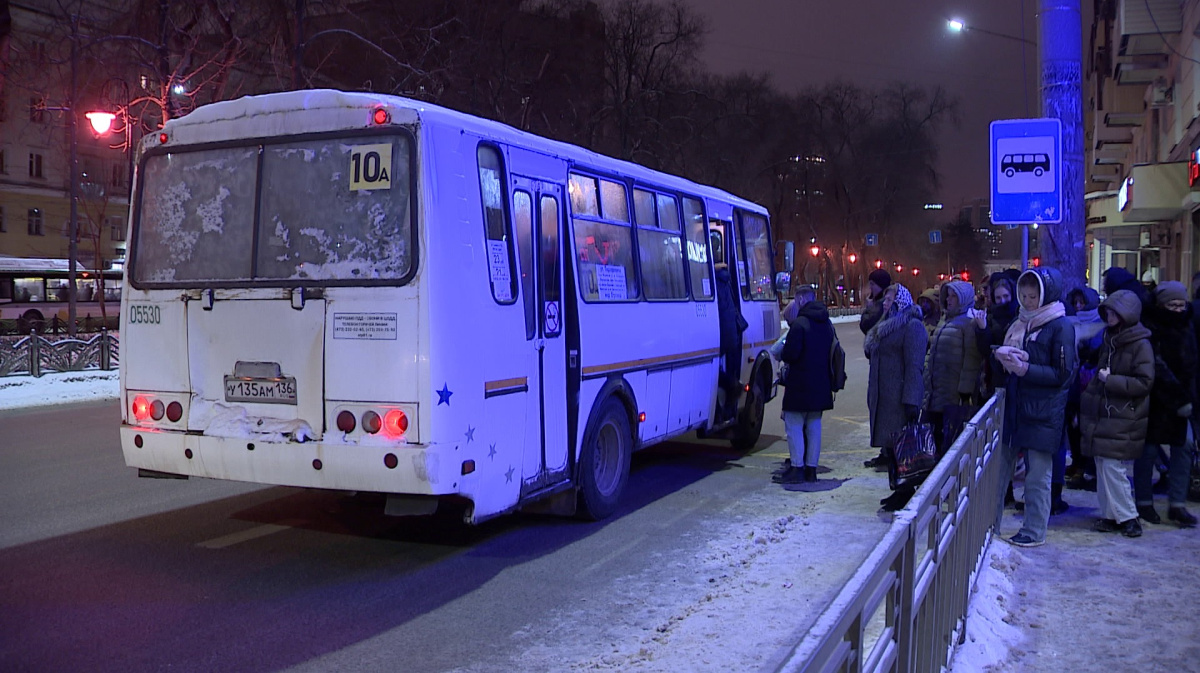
(1057, 504)
(1149, 514)
(792, 475)
(810, 474)
(1181, 517)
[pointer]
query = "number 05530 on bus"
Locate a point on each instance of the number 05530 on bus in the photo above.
(367, 293)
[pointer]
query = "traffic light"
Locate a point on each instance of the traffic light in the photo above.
(1037, 261)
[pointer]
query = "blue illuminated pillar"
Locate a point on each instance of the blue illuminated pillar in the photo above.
(1060, 46)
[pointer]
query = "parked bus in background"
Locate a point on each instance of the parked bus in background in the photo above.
(368, 293)
(34, 290)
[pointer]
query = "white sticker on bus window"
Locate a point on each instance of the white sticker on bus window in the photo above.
(368, 326)
(706, 286)
(370, 167)
(610, 282)
(498, 268)
(741, 267)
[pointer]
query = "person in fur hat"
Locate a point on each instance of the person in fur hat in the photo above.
(1172, 399)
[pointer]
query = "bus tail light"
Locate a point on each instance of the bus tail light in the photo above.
(141, 408)
(371, 422)
(157, 410)
(395, 423)
(174, 412)
(345, 421)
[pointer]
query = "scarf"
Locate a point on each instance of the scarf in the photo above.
(1029, 322)
(901, 312)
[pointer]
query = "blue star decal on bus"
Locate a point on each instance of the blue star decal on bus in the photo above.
(470, 433)
(492, 450)
(444, 395)
(508, 475)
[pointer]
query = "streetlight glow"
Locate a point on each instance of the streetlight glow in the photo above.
(955, 25)
(101, 121)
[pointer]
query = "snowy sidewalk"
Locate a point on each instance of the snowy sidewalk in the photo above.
(58, 388)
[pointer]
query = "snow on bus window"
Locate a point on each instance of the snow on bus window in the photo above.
(758, 257)
(197, 216)
(335, 209)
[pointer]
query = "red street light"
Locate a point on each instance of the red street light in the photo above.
(853, 258)
(899, 268)
(879, 264)
(815, 250)
(916, 271)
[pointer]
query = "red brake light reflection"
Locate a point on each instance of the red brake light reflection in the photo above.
(141, 408)
(395, 423)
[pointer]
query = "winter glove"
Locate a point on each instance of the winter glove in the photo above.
(964, 399)
(1184, 411)
(912, 413)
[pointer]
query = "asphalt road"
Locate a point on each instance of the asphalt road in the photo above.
(100, 570)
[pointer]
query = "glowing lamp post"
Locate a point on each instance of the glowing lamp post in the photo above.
(101, 121)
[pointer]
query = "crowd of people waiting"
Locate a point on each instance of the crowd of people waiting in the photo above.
(1103, 382)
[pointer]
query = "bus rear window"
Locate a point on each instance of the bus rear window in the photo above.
(329, 210)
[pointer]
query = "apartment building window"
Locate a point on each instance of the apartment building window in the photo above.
(3, 163)
(37, 110)
(35, 222)
(3, 223)
(118, 174)
(116, 226)
(3, 107)
(35, 165)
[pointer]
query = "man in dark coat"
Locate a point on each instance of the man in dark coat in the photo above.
(808, 388)
(732, 324)
(1171, 403)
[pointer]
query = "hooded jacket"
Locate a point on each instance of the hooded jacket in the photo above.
(809, 385)
(953, 366)
(1036, 403)
(1174, 342)
(999, 317)
(1114, 413)
(933, 314)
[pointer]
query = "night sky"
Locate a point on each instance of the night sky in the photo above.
(875, 42)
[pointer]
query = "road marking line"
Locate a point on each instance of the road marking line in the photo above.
(242, 536)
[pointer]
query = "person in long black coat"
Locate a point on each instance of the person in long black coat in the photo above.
(808, 387)
(1171, 403)
(895, 348)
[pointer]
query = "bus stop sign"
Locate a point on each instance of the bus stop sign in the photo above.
(1026, 171)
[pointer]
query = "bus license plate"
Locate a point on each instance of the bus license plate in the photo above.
(263, 391)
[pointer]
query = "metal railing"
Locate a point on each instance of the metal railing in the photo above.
(35, 354)
(905, 608)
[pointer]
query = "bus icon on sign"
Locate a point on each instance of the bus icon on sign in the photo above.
(1038, 164)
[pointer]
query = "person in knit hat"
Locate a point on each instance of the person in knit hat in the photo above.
(1172, 399)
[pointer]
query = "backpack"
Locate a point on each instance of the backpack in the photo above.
(837, 363)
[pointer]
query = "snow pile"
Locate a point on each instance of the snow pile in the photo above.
(990, 630)
(58, 388)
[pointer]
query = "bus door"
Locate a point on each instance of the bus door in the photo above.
(538, 215)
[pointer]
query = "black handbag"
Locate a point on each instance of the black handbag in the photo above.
(914, 455)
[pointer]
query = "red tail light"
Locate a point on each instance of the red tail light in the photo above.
(395, 423)
(371, 422)
(381, 116)
(174, 411)
(345, 421)
(141, 408)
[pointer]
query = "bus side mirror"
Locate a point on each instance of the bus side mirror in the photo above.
(788, 254)
(783, 282)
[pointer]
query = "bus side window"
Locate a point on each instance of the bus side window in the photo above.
(495, 224)
(659, 245)
(523, 219)
(603, 239)
(697, 249)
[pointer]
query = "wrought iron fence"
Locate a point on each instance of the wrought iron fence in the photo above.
(905, 608)
(56, 325)
(35, 355)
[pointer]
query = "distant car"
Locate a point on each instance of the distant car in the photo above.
(1011, 164)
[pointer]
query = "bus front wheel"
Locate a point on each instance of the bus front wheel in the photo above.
(604, 460)
(751, 421)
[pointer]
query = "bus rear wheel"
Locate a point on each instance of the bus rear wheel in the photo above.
(751, 421)
(604, 460)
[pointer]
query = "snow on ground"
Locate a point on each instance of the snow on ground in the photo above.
(57, 388)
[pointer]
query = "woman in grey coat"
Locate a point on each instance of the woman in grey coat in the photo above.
(895, 348)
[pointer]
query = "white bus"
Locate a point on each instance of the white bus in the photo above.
(362, 292)
(33, 290)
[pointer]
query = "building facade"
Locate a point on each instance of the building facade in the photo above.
(1143, 89)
